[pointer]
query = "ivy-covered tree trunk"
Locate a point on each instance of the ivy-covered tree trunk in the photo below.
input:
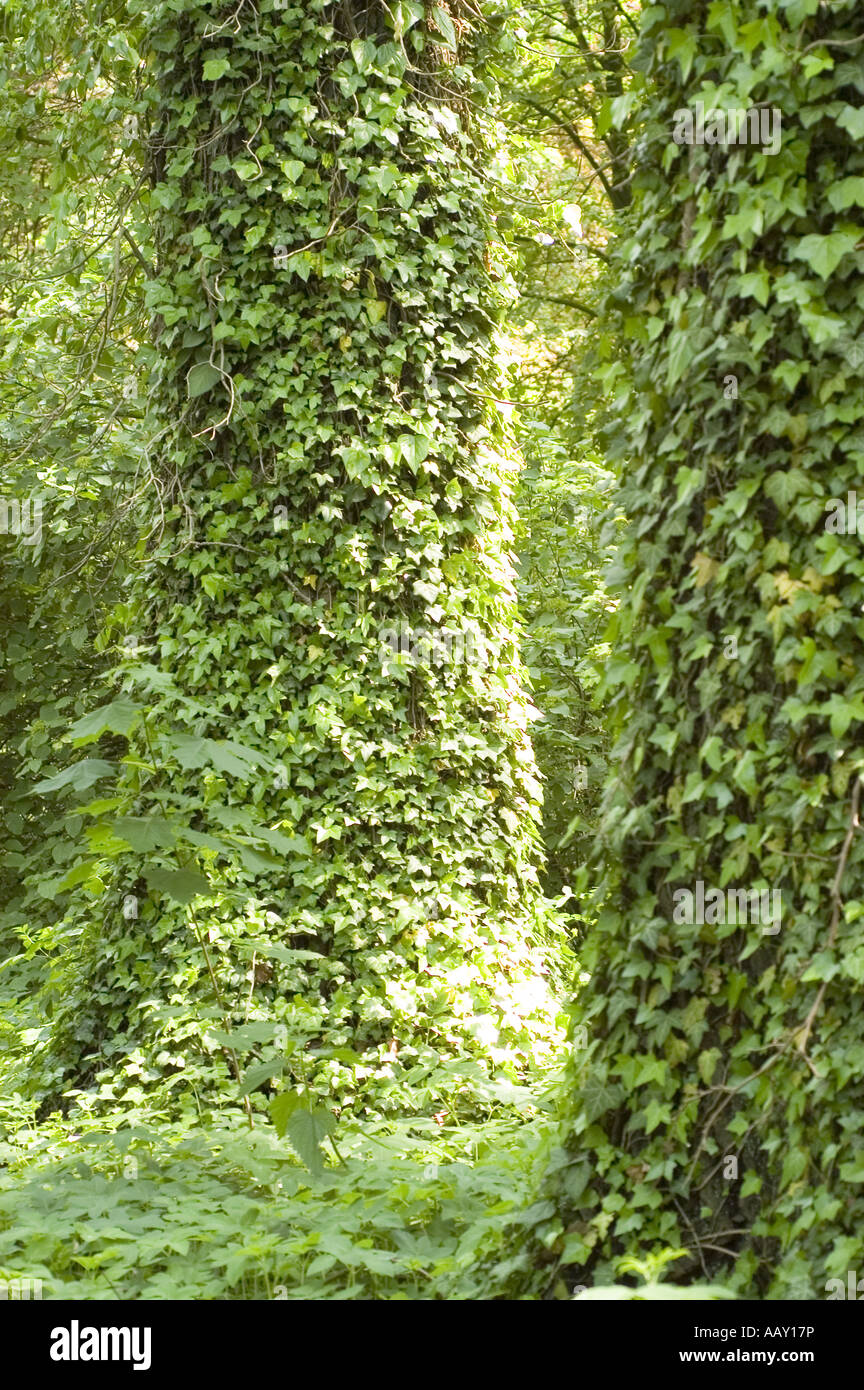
(335, 734)
(718, 1083)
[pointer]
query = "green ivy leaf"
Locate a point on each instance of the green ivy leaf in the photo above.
(214, 68)
(201, 378)
(824, 253)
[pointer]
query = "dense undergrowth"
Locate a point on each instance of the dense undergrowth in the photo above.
(134, 1206)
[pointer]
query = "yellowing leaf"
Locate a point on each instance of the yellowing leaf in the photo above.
(705, 568)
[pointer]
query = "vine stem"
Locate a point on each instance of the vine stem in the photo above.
(837, 901)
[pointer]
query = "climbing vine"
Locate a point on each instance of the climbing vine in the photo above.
(312, 859)
(715, 1098)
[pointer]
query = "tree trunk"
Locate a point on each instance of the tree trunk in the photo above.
(717, 1078)
(328, 579)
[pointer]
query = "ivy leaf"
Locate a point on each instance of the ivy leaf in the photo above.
(783, 486)
(705, 566)
(598, 1096)
(748, 219)
(824, 253)
(756, 285)
(745, 773)
(576, 1250)
(794, 1167)
(822, 967)
(215, 68)
(681, 45)
(413, 448)
(851, 118)
(707, 1062)
(424, 590)
(363, 52)
(845, 192)
(842, 711)
(201, 377)
(680, 355)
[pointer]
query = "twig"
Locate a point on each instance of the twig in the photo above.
(150, 272)
(804, 1033)
(695, 1235)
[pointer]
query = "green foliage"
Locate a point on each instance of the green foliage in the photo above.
(566, 610)
(325, 462)
(68, 306)
(652, 1290)
(570, 65)
(273, 902)
(735, 762)
(135, 1206)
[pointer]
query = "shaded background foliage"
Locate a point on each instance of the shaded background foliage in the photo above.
(70, 311)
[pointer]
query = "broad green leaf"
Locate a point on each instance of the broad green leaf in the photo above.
(183, 885)
(282, 1107)
(444, 24)
(117, 718)
(264, 1071)
(222, 754)
(824, 253)
(79, 776)
(201, 378)
(305, 1130)
(144, 833)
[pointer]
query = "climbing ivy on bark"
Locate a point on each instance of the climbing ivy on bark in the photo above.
(313, 859)
(716, 1082)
